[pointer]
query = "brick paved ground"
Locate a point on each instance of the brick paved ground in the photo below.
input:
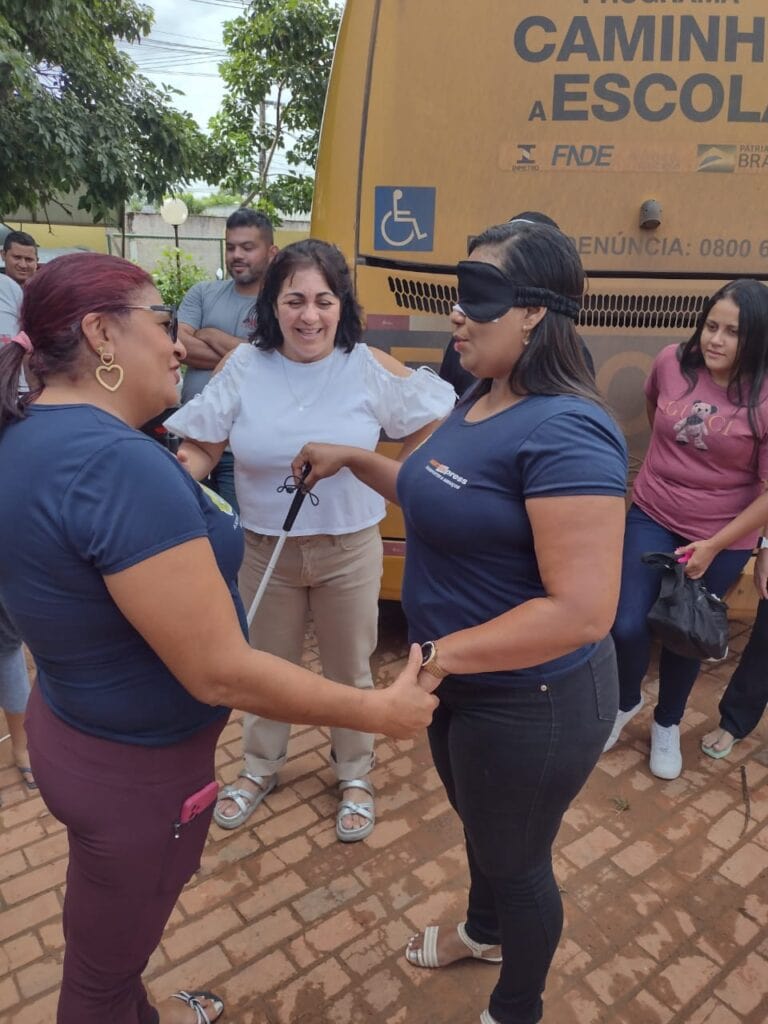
(665, 888)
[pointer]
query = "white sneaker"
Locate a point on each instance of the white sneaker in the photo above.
(621, 720)
(666, 762)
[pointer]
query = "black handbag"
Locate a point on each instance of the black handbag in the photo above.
(686, 618)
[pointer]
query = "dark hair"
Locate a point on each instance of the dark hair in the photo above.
(322, 256)
(245, 217)
(749, 367)
(536, 217)
(55, 301)
(540, 256)
(20, 238)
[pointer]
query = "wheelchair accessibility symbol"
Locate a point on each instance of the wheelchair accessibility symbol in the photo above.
(404, 218)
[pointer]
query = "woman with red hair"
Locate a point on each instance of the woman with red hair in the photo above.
(119, 571)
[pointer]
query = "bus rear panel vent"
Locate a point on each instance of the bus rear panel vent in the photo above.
(649, 311)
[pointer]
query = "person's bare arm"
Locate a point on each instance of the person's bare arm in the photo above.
(702, 552)
(377, 471)
(178, 601)
(200, 458)
(220, 341)
(199, 354)
(578, 543)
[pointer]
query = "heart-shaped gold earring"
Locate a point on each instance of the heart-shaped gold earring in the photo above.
(106, 367)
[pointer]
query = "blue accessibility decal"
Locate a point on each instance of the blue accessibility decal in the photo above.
(404, 218)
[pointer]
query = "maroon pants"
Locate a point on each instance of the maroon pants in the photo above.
(126, 865)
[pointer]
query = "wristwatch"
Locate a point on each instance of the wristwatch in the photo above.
(429, 661)
(762, 542)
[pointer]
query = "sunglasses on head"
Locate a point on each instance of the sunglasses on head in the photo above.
(172, 326)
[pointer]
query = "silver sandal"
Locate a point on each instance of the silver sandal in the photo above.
(192, 999)
(246, 801)
(426, 954)
(347, 807)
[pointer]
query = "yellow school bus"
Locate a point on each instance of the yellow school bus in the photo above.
(640, 126)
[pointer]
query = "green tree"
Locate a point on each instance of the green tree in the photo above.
(280, 54)
(75, 116)
(175, 273)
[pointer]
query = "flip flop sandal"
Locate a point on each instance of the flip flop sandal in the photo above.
(426, 955)
(365, 810)
(717, 754)
(246, 801)
(192, 999)
(27, 777)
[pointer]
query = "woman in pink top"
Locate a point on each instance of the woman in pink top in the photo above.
(707, 463)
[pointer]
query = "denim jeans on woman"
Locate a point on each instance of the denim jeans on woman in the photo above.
(512, 757)
(640, 586)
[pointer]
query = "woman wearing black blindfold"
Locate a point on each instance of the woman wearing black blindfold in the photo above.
(514, 510)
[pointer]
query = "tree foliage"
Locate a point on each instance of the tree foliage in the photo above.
(175, 273)
(280, 54)
(75, 116)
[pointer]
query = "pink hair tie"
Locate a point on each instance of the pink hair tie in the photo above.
(23, 339)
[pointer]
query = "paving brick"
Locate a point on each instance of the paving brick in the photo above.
(39, 1011)
(22, 886)
(9, 996)
(746, 986)
(642, 855)
(286, 824)
(682, 980)
(746, 864)
(39, 977)
(202, 931)
(17, 952)
(280, 889)
(256, 979)
(591, 847)
(12, 864)
(713, 1012)
(28, 914)
(268, 931)
(320, 901)
(623, 972)
(304, 997)
(726, 832)
(197, 972)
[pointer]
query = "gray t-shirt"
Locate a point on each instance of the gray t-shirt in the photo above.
(214, 304)
(10, 306)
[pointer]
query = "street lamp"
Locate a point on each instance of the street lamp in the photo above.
(175, 212)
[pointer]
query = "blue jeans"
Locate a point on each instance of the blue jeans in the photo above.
(222, 479)
(512, 758)
(746, 696)
(640, 585)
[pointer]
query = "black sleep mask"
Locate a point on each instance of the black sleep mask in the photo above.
(486, 293)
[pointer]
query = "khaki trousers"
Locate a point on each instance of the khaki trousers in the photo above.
(335, 579)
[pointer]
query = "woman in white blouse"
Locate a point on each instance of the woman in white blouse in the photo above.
(307, 377)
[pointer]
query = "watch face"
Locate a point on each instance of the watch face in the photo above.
(427, 652)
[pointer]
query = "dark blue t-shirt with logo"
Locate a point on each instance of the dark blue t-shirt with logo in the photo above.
(85, 496)
(470, 549)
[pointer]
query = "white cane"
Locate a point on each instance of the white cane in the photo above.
(293, 511)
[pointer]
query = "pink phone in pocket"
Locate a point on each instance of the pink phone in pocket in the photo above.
(198, 802)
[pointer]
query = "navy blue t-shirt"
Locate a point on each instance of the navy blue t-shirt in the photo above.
(85, 496)
(470, 553)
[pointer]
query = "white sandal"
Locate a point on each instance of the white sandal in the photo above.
(426, 954)
(244, 799)
(347, 807)
(192, 999)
